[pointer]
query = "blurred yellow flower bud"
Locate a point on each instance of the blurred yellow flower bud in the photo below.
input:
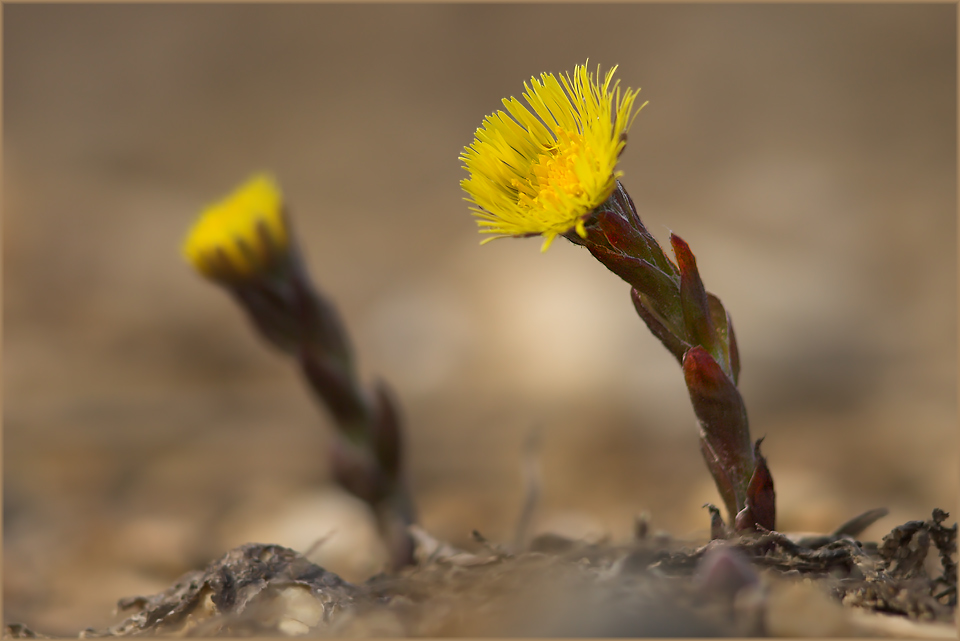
(241, 236)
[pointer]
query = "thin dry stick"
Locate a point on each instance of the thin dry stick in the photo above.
(530, 471)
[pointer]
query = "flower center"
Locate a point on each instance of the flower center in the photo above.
(553, 174)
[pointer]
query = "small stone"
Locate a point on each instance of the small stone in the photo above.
(724, 570)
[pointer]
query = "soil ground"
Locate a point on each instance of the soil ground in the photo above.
(806, 153)
(765, 584)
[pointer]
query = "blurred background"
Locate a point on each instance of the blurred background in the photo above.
(806, 153)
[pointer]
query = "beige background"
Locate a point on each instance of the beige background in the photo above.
(807, 154)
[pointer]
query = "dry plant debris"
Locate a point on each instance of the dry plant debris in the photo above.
(748, 585)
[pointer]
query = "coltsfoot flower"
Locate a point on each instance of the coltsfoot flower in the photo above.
(242, 235)
(543, 172)
(246, 244)
(550, 169)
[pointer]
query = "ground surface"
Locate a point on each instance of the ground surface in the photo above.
(807, 154)
(761, 584)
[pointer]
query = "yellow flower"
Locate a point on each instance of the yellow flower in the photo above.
(241, 235)
(544, 172)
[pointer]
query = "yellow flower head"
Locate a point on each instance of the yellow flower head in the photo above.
(544, 172)
(242, 235)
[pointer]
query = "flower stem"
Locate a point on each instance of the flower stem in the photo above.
(695, 327)
(367, 458)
